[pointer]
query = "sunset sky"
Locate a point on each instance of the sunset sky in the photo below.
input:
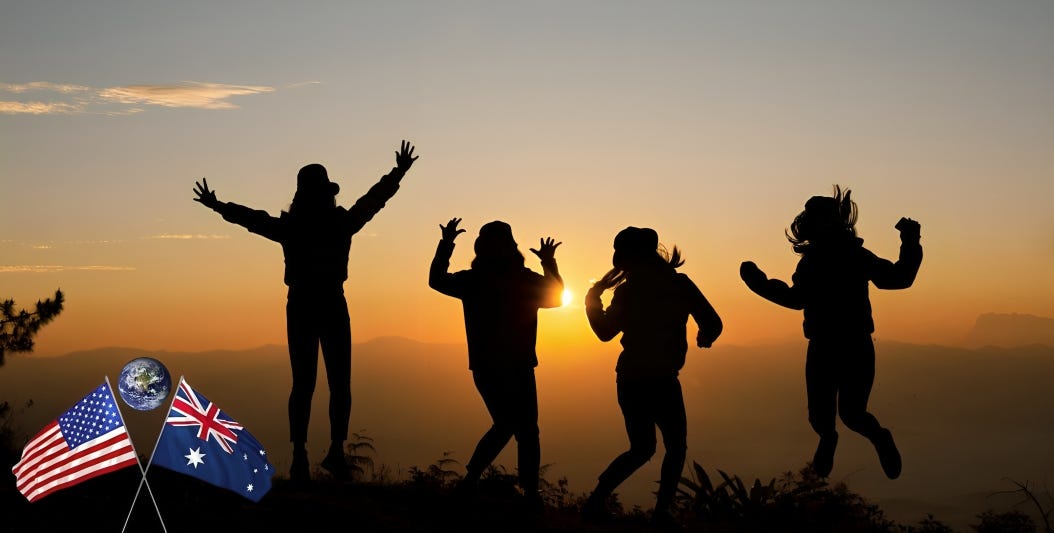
(711, 122)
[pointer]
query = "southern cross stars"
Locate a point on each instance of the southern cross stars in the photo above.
(195, 458)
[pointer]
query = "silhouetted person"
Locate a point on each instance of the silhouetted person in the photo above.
(830, 285)
(501, 298)
(650, 307)
(315, 235)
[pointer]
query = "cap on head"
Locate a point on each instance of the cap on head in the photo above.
(314, 178)
(637, 241)
(494, 236)
(822, 205)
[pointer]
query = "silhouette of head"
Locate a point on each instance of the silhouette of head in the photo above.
(313, 189)
(825, 218)
(313, 178)
(639, 247)
(495, 247)
(634, 245)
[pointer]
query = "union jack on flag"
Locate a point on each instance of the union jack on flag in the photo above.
(202, 441)
(190, 411)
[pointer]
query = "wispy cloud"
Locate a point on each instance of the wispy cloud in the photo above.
(47, 98)
(19, 88)
(187, 236)
(186, 94)
(62, 268)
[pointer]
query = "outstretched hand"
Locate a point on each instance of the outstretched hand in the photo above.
(405, 156)
(451, 231)
(546, 249)
(909, 228)
(204, 195)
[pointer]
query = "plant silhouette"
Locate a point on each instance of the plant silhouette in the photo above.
(650, 308)
(17, 328)
(830, 286)
(315, 234)
(501, 298)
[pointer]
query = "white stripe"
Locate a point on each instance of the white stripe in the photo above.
(40, 476)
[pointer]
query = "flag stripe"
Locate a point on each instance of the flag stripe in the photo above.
(59, 467)
(49, 464)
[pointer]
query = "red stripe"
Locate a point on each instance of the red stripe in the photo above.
(66, 464)
(32, 477)
(118, 466)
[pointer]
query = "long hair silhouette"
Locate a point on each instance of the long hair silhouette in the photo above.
(830, 285)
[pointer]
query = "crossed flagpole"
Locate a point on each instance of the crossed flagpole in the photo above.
(91, 439)
(143, 470)
(229, 456)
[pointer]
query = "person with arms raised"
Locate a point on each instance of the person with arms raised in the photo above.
(501, 298)
(315, 235)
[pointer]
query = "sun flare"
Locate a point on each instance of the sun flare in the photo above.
(566, 297)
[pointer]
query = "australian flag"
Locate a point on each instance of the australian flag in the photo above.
(200, 440)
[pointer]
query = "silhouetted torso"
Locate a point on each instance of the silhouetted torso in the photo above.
(652, 313)
(831, 285)
(501, 310)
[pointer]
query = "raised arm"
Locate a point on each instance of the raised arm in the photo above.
(606, 324)
(552, 287)
(256, 221)
(373, 201)
(773, 290)
(438, 276)
(900, 275)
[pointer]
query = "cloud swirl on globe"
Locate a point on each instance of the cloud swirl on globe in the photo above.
(144, 383)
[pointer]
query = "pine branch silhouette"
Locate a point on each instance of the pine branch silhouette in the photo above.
(17, 328)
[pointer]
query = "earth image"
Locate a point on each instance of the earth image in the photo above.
(144, 383)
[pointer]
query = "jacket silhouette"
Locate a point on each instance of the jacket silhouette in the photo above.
(315, 235)
(501, 298)
(831, 286)
(650, 308)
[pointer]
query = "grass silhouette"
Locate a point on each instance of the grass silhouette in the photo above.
(426, 499)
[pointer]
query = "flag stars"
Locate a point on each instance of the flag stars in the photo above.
(249, 488)
(195, 457)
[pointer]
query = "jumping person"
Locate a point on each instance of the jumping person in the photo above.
(315, 235)
(830, 285)
(650, 307)
(501, 298)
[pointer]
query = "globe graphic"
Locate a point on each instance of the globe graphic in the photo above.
(144, 383)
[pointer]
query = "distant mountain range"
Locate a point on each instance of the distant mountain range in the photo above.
(965, 419)
(1011, 329)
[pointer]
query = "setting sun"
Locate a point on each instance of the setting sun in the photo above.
(566, 297)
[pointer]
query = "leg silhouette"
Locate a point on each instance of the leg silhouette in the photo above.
(512, 401)
(673, 424)
(821, 383)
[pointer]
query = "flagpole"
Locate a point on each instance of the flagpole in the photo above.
(142, 470)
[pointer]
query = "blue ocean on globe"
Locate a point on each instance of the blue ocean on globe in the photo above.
(144, 383)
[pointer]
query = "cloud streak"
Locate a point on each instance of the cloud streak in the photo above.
(187, 236)
(62, 268)
(47, 98)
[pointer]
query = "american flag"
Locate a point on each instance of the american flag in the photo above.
(201, 441)
(86, 441)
